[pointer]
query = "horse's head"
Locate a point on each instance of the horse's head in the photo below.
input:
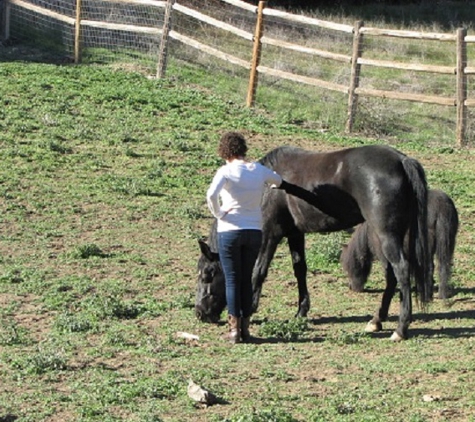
(211, 292)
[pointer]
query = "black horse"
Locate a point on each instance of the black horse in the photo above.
(330, 192)
(443, 222)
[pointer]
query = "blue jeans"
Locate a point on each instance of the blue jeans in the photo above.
(238, 250)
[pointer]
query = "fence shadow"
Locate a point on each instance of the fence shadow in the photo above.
(11, 51)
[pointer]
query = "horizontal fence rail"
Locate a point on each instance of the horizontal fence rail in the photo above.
(164, 30)
(210, 50)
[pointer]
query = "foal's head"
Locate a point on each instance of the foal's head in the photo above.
(210, 293)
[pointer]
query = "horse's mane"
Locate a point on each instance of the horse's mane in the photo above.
(274, 156)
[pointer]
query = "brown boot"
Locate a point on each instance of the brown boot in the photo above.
(234, 334)
(245, 334)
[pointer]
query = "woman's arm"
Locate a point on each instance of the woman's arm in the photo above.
(212, 195)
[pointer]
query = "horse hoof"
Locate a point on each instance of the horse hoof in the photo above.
(444, 295)
(396, 337)
(373, 327)
(355, 287)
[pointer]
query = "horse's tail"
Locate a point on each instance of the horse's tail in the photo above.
(446, 229)
(357, 258)
(419, 256)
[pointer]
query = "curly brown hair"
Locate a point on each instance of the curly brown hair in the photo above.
(232, 145)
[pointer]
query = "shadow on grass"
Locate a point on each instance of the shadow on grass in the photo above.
(448, 332)
(8, 418)
(278, 340)
(426, 316)
(464, 290)
(301, 338)
(14, 50)
(443, 332)
(377, 290)
(450, 315)
(340, 319)
(437, 333)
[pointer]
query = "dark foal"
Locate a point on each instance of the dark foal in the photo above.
(443, 222)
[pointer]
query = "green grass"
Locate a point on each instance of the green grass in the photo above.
(102, 182)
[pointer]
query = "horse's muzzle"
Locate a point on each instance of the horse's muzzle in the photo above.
(204, 316)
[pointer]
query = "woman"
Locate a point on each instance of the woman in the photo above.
(239, 185)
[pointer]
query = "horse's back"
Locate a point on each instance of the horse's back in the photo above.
(347, 168)
(358, 184)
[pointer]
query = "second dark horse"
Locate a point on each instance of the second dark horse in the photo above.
(376, 184)
(443, 223)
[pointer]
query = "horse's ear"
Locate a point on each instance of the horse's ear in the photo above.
(207, 252)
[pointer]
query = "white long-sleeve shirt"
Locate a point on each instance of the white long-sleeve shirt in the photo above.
(239, 185)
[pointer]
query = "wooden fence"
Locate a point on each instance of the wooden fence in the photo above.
(256, 40)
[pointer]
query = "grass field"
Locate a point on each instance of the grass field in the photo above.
(102, 181)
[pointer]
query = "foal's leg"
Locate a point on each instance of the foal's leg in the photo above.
(445, 290)
(433, 238)
(381, 314)
(261, 267)
(299, 264)
(444, 256)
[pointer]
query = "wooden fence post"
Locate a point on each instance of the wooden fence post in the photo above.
(5, 18)
(163, 52)
(354, 76)
(256, 55)
(461, 87)
(77, 33)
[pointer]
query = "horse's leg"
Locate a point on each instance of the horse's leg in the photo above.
(299, 264)
(401, 270)
(393, 251)
(381, 315)
(261, 267)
